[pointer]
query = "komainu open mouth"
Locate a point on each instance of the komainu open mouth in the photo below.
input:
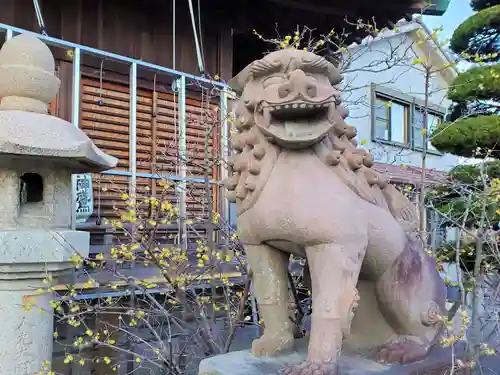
(296, 122)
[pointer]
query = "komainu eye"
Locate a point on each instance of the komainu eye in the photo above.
(273, 80)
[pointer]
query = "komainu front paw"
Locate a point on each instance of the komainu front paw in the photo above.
(312, 368)
(271, 344)
(403, 350)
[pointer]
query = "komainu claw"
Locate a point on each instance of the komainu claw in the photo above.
(402, 351)
(312, 368)
(269, 345)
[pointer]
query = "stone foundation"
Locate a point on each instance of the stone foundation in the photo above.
(244, 363)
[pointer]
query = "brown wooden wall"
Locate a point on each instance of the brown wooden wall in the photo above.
(138, 29)
(104, 117)
(157, 141)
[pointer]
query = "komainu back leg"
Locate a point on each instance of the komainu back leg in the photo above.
(334, 273)
(411, 294)
(270, 267)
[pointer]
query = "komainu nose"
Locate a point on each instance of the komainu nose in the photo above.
(284, 90)
(302, 84)
(311, 90)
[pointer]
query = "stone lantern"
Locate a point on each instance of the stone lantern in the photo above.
(38, 155)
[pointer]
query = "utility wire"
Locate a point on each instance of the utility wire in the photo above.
(39, 17)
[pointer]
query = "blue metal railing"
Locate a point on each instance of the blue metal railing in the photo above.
(180, 82)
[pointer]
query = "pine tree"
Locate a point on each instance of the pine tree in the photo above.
(472, 129)
(473, 126)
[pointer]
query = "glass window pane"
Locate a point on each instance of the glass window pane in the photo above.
(381, 130)
(418, 119)
(432, 121)
(381, 107)
(418, 125)
(418, 138)
(398, 123)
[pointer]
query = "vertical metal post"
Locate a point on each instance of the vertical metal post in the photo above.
(75, 100)
(133, 130)
(8, 34)
(75, 119)
(181, 190)
(224, 152)
(181, 89)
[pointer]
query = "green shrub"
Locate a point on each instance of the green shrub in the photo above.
(469, 136)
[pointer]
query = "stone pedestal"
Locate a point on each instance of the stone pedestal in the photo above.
(244, 363)
(27, 258)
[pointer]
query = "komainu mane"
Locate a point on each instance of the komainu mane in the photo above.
(303, 187)
(279, 122)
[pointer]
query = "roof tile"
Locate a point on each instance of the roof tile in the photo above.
(408, 174)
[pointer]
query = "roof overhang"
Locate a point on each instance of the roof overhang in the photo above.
(283, 16)
(436, 7)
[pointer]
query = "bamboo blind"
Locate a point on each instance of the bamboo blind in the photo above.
(107, 124)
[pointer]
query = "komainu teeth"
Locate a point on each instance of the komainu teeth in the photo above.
(298, 105)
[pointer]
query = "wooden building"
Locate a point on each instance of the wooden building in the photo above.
(152, 34)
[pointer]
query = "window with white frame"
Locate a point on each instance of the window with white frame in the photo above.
(391, 120)
(399, 119)
(433, 120)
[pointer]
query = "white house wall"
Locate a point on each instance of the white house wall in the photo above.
(369, 68)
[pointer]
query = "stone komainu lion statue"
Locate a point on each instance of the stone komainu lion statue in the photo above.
(302, 187)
